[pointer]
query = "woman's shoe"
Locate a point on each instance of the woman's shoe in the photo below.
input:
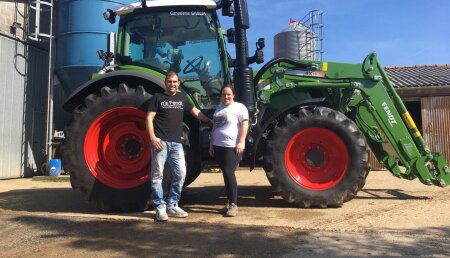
(225, 209)
(232, 210)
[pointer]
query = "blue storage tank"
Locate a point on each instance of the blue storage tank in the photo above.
(80, 32)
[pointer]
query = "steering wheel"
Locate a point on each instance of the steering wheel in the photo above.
(193, 65)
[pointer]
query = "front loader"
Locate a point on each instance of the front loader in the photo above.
(312, 122)
(320, 118)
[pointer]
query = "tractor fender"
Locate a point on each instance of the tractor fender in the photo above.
(261, 131)
(151, 84)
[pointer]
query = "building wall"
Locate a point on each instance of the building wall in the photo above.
(13, 12)
(374, 164)
(23, 98)
(23, 94)
(436, 123)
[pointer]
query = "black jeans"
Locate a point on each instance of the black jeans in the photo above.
(228, 162)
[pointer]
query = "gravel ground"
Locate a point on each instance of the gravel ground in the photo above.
(389, 218)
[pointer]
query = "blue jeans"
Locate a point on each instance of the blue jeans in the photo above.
(173, 153)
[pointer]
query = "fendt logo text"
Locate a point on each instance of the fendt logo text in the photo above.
(391, 117)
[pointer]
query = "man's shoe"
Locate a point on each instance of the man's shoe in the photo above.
(161, 214)
(175, 211)
(225, 209)
(232, 211)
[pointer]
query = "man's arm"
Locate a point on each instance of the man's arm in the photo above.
(211, 141)
(199, 115)
(156, 142)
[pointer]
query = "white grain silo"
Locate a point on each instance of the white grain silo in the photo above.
(301, 39)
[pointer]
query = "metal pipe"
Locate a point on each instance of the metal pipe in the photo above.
(49, 123)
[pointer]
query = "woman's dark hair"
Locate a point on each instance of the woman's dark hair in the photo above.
(231, 86)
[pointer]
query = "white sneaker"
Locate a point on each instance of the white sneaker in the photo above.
(232, 210)
(161, 214)
(175, 211)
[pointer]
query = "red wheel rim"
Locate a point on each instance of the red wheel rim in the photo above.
(316, 158)
(116, 148)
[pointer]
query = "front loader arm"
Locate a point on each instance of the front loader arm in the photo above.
(390, 131)
(365, 93)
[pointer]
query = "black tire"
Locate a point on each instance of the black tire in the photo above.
(316, 157)
(93, 178)
(131, 190)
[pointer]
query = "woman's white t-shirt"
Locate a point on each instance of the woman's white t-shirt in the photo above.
(227, 123)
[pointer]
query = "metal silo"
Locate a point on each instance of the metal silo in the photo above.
(301, 39)
(81, 31)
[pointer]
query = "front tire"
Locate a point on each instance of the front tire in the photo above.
(316, 157)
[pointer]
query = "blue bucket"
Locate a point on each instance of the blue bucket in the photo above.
(54, 167)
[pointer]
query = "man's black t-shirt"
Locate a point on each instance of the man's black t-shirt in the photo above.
(168, 121)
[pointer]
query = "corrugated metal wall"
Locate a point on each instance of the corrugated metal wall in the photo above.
(436, 123)
(374, 164)
(23, 84)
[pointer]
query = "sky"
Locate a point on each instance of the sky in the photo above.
(402, 32)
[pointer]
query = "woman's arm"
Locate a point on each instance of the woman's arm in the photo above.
(240, 147)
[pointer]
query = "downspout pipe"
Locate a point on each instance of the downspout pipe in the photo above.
(49, 123)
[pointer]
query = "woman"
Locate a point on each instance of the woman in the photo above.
(228, 142)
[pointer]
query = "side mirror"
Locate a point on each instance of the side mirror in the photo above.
(110, 16)
(107, 57)
(258, 57)
(260, 44)
(100, 54)
(231, 35)
(227, 7)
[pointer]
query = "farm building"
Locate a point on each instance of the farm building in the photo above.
(425, 89)
(24, 76)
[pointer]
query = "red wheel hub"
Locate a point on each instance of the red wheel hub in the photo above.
(316, 158)
(116, 148)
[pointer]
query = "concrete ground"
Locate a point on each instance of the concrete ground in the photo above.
(389, 218)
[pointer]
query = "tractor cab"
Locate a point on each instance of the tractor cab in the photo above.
(185, 39)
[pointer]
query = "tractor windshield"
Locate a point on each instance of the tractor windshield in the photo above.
(180, 41)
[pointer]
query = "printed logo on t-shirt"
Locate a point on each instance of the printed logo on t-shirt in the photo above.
(220, 118)
(172, 104)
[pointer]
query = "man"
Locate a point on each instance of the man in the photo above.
(165, 128)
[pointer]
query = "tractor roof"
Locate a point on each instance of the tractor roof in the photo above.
(160, 3)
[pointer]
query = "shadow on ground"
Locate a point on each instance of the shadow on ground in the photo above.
(388, 194)
(68, 200)
(138, 238)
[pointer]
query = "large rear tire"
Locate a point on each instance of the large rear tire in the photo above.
(316, 157)
(107, 149)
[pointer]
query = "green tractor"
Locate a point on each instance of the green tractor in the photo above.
(312, 121)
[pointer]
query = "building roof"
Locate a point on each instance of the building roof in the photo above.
(419, 76)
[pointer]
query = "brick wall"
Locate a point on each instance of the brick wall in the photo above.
(11, 12)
